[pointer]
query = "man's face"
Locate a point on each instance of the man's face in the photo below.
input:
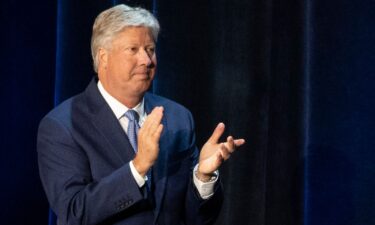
(128, 67)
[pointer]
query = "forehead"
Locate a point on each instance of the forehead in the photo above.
(136, 35)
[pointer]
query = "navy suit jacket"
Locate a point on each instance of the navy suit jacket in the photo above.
(84, 155)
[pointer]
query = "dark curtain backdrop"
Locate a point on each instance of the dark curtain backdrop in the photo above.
(294, 78)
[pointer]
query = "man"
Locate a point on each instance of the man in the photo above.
(98, 167)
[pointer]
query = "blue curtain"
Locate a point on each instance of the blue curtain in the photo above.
(27, 70)
(340, 161)
(295, 78)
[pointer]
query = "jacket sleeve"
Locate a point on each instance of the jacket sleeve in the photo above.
(197, 210)
(66, 177)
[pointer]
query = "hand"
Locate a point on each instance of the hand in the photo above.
(148, 141)
(213, 154)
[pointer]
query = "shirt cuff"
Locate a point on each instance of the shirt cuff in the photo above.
(138, 178)
(205, 189)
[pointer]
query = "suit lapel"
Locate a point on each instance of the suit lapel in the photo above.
(110, 129)
(160, 168)
(108, 125)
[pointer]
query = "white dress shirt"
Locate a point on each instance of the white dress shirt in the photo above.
(205, 189)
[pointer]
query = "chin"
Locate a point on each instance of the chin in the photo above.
(143, 88)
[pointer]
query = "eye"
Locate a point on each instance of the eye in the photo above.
(150, 50)
(132, 50)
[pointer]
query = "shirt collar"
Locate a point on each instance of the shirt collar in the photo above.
(117, 107)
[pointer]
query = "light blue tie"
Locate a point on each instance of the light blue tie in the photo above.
(133, 128)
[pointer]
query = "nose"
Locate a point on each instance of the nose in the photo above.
(145, 58)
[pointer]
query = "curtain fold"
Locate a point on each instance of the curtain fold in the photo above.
(242, 63)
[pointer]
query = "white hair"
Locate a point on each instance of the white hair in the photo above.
(113, 20)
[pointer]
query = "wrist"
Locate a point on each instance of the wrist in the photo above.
(204, 177)
(140, 166)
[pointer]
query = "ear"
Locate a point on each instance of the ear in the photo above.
(102, 57)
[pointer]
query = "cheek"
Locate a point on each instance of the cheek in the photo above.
(125, 69)
(154, 63)
(122, 64)
(152, 72)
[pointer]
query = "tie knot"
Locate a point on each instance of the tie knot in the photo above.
(132, 115)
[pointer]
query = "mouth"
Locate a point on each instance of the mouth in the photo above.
(143, 75)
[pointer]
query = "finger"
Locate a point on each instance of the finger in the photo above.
(224, 152)
(154, 114)
(219, 130)
(157, 134)
(153, 118)
(153, 127)
(219, 159)
(239, 142)
(230, 144)
(148, 120)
